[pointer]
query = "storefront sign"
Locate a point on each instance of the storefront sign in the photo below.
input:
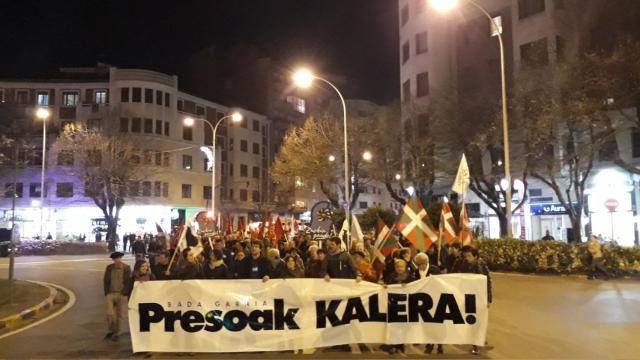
(547, 209)
(289, 314)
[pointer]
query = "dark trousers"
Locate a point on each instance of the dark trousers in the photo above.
(597, 264)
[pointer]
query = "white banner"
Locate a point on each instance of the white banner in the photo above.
(289, 314)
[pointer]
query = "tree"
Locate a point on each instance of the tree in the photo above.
(369, 219)
(108, 165)
(304, 156)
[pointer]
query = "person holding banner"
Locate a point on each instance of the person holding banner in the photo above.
(338, 264)
(216, 268)
(159, 269)
(236, 268)
(293, 269)
(475, 265)
(255, 266)
(422, 271)
(399, 275)
(188, 267)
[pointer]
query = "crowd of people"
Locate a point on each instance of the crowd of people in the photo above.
(226, 257)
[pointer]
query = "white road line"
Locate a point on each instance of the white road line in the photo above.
(70, 303)
(58, 261)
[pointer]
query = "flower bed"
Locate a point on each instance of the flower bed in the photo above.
(52, 247)
(555, 257)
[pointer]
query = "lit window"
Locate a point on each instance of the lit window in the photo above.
(298, 104)
(43, 98)
(69, 99)
(100, 97)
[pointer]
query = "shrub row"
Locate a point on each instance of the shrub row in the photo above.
(49, 247)
(555, 257)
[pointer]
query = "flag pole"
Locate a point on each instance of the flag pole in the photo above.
(175, 251)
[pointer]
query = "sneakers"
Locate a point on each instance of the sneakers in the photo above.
(475, 350)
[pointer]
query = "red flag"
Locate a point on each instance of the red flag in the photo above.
(415, 225)
(270, 229)
(278, 229)
(229, 227)
(386, 242)
(447, 225)
(465, 227)
(241, 225)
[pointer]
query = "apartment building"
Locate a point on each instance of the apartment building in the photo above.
(149, 108)
(460, 48)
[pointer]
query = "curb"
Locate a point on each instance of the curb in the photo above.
(13, 320)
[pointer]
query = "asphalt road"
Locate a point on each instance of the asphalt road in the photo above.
(532, 317)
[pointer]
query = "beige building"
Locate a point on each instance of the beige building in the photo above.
(149, 108)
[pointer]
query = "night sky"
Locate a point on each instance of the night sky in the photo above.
(352, 38)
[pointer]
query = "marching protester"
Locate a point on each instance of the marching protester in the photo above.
(292, 268)
(338, 264)
(117, 287)
(237, 266)
(138, 249)
(216, 268)
(454, 260)
(368, 272)
(255, 266)
(314, 263)
(159, 269)
(399, 275)
(142, 272)
(597, 259)
(423, 270)
(475, 265)
(276, 265)
(153, 250)
(219, 244)
(188, 266)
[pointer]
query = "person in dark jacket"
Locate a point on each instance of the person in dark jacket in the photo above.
(338, 264)
(475, 265)
(399, 275)
(117, 287)
(216, 268)
(237, 264)
(219, 244)
(277, 266)
(454, 258)
(188, 267)
(256, 266)
(314, 264)
(159, 269)
(292, 268)
(138, 249)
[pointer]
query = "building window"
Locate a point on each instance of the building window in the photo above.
(206, 192)
(124, 94)
(124, 125)
(100, 97)
(43, 98)
(422, 42)
(1, 95)
(405, 52)
(148, 96)
(136, 125)
(180, 105)
(165, 190)
(94, 125)
(535, 192)
(363, 205)
(406, 91)
(243, 195)
(22, 97)
(148, 126)
(159, 127)
(256, 148)
(230, 169)
(186, 191)
(34, 190)
(244, 170)
(166, 128)
(70, 99)
(560, 48)
(65, 158)
(422, 84)
(187, 162)
(157, 189)
(404, 15)
(256, 125)
(167, 100)
(166, 159)
(146, 188)
(527, 8)
(199, 110)
(10, 192)
(136, 94)
(496, 29)
(64, 190)
(158, 97)
(255, 196)
(255, 172)
(535, 53)
(299, 104)
(244, 146)
(187, 133)
(635, 143)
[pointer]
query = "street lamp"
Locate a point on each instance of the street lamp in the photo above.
(332, 158)
(398, 177)
(43, 114)
(448, 5)
(303, 78)
(367, 156)
(189, 121)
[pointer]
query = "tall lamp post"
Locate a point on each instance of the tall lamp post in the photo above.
(189, 121)
(304, 78)
(43, 114)
(447, 5)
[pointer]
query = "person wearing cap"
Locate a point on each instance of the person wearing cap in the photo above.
(117, 287)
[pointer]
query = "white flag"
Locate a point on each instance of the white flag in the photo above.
(345, 229)
(461, 182)
(356, 230)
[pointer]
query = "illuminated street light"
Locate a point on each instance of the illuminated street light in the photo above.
(332, 158)
(303, 78)
(43, 114)
(448, 5)
(398, 176)
(367, 156)
(211, 155)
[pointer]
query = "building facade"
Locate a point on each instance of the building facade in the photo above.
(148, 108)
(460, 48)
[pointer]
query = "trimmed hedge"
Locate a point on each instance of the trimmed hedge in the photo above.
(555, 257)
(54, 247)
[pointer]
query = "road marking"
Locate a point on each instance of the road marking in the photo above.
(70, 303)
(58, 261)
